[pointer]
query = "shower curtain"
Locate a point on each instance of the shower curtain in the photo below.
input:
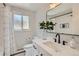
(7, 42)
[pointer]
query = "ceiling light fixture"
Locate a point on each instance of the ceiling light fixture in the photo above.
(53, 5)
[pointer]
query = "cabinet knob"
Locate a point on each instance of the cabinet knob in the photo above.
(34, 47)
(41, 54)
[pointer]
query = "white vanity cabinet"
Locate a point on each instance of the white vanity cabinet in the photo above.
(43, 52)
(36, 47)
(40, 50)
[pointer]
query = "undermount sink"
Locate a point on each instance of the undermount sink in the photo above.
(53, 46)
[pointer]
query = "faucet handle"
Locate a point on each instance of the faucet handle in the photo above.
(55, 40)
(64, 42)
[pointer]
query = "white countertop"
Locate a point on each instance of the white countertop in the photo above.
(63, 49)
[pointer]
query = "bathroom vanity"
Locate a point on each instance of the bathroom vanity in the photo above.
(50, 48)
(66, 20)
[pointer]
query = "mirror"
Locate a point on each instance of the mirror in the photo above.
(66, 18)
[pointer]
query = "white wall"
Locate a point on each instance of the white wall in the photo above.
(40, 16)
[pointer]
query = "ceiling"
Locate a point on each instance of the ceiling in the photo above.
(29, 6)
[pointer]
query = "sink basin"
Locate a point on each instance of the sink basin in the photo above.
(49, 44)
(53, 46)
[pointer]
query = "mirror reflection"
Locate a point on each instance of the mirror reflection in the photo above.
(66, 18)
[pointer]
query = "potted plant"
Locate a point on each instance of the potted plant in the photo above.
(42, 25)
(48, 25)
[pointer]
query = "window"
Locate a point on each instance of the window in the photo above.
(25, 22)
(21, 22)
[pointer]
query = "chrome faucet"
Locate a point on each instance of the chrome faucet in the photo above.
(57, 37)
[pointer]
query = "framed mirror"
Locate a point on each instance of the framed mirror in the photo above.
(66, 16)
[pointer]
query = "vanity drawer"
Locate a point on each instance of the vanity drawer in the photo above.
(35, 46)
(40, 50)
